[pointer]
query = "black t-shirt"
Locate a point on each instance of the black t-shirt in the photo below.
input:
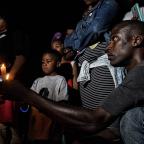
(12, 44)
(129, 94)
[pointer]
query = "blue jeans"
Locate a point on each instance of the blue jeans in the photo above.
(132, 126)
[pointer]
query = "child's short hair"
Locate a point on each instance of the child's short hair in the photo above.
(56, 55)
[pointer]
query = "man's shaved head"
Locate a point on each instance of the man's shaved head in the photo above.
(131, 27)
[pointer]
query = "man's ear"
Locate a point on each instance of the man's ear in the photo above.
(137, 40)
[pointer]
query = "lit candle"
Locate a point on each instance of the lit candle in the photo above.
(3, 70)
(7, 76)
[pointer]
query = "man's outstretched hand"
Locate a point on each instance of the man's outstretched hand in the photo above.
(13, 90)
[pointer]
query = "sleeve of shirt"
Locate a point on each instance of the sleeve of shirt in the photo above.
(34, 85)
(63, 90)
(128, 95)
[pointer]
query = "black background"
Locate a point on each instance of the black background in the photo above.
(40, 19)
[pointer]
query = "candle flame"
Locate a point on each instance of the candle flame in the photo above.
(7, 76)
(3, 70)
(3, 65)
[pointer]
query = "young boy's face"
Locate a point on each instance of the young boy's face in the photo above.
(49, 64)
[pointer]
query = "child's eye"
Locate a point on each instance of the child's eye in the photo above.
(48, 61)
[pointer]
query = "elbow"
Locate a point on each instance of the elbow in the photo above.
(100, 120)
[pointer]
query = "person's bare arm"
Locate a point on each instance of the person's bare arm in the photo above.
(18, 63)
(80, 119)
(75, 75)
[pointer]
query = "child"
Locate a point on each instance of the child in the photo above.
(51, 86)
(68, 67)
(57, 42)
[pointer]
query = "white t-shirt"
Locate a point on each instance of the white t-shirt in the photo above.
(52, 87)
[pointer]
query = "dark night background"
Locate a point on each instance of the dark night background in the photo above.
(40, 20)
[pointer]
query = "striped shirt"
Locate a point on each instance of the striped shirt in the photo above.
(101, 82)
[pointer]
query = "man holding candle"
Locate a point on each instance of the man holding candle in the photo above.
(13, 48)
(14, 45)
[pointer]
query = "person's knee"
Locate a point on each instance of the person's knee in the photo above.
(131, 124)
(132, 119)
(128, 121)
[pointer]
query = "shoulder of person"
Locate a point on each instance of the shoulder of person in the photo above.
(60, 77)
